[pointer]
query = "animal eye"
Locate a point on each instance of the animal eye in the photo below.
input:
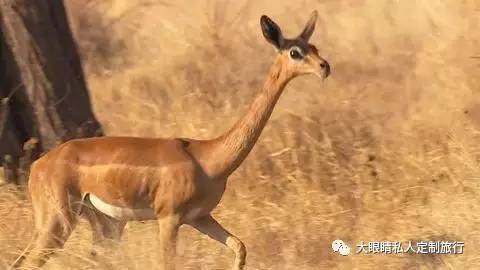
(295, 54)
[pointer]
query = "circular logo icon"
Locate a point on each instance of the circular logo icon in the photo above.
(341, 247)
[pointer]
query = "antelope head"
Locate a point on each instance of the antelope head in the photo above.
(297, 55)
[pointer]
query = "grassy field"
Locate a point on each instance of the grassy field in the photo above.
(386, 149)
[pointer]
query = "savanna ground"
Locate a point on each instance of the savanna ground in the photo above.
(386, 149)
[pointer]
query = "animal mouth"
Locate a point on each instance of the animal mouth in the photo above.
(327, 71)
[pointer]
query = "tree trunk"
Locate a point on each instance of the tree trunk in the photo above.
(42, 87)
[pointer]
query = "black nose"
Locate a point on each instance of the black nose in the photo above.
(326, 67)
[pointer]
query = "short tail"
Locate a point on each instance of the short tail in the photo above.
(22, 256)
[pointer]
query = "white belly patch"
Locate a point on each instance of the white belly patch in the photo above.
(120, 213)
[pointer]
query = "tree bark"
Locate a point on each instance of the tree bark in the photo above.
(42, 86)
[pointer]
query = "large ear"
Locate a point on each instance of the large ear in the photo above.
(309, 27)
(271, 31)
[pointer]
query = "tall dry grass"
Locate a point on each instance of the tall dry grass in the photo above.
(385, 150)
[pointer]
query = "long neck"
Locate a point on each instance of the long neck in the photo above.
(228, 151)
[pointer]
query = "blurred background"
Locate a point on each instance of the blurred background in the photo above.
(386, 149)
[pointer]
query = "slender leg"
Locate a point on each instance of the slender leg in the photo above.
(55, 219)
(58, 229)
(168, 231)
(105, 230)
(26, 251)
(209, 226)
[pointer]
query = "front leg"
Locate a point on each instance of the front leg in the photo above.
(168, 231)
(209, 226)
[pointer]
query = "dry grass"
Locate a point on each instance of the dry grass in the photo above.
(384, 150)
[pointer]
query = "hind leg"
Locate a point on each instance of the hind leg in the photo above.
(50, 237)
(105, 230)
(56, 214)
